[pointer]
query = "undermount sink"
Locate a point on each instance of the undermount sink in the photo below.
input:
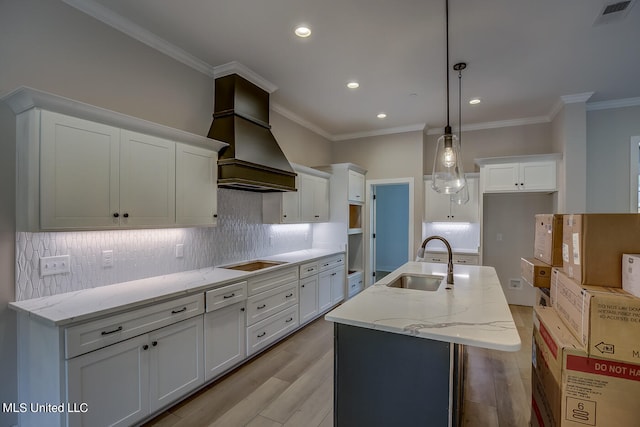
(254, 265)
(421, 283)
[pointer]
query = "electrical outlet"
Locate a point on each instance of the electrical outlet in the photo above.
(107, 258)
(499, 237)
(179, 250)
(515, 284)
(55, 265)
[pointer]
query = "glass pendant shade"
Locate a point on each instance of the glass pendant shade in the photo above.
(447, 176)
(462, 196)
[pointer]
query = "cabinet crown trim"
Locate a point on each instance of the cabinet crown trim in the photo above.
(25, 98)
(518, 159)
(310, 171)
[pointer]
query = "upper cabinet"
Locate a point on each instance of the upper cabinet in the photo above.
(93, 169)
(356, 186)
(309, 204)
(440, 208)
(516, 174)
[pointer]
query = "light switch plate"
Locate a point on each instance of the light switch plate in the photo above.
(107, 258)
(55, 265)
(179, 250)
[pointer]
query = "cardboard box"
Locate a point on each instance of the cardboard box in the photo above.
(606, 321)
(547, 244)
(571, 389)
(631, 273)
(535, 272)
(593, 244)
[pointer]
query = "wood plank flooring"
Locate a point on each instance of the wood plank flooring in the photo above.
(291, 385)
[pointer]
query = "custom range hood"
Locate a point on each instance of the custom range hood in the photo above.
(253, 161)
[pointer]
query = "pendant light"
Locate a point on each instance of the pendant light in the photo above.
(448, 177)
(462, 196)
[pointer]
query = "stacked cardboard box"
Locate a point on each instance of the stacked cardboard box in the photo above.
(571, 388)
(586, 355)
(547, 251)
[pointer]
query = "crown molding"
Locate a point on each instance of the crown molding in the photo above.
(576, 98)
(496, 124)
(234, 67)
(616, 103)
(135, 31)
(378, 132)
(299, 120)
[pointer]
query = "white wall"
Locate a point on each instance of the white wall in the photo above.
(609, 134)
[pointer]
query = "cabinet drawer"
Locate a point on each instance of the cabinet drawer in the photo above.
(271, 329)
(356, 284)
(225, 295)
(465, 259)
(264, 282)
(436, 257)
(93, 335)
(270, 302)
(308, 269)
(330, 262)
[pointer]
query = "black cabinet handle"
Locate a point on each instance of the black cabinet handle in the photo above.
(284, 216)
(179, 311)
(310, 269)
(261, 335)
(118, 329)
(260, 307)
(116, 215)
(242, 309)
(288, 320)
(145, 347)
(229, 296)
(154, 343)
(215, 215)
(317, 216)
(302, 286)
(289, 296)
(126, 215)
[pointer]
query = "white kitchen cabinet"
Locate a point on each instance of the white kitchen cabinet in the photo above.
(440, 208)
(125, 382)
(356, 187)
(271, 329)
(270, 302)
(93, 169)
(331, 284)
(314, 198)
(224, 339)
(308, 298)
(519, 176)
(196, 185)
(355, 283)
(443, 258)
(309, 204)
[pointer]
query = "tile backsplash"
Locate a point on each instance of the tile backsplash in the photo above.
(239, 235)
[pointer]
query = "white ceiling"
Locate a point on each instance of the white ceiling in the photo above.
(522, 55)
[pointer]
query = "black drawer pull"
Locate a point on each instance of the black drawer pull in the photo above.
(289, 320)
(289, 296)
(261, 335)
(126, 215)
(145, 347)
(118, 329)
(310, 269)
(154, 343)
(229, 296)
(116, 214)
(317, 216)
(260, 307)
(179, 311)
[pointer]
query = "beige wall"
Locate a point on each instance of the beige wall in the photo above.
(498, 142)
(299, 144)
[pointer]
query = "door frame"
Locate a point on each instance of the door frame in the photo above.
(369, 205)
(634, 158)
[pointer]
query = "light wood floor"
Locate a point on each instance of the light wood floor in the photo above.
(291, 384)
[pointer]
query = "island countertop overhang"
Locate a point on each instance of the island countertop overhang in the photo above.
(475, 312)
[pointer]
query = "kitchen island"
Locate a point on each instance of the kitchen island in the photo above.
(399, 352)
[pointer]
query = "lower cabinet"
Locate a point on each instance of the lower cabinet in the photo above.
(331, 287)
(356, 284)
(125, 382)
(308, 298)
(224, 339)
(269, 330)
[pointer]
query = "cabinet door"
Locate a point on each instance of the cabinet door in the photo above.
(307, 201)
(467, 212)
(356, 186)
(176, 361)
(321, 199)
(538, 176)
(291, 204)
(196, 185)
(437, 205)
(147, 180)
(308, 298)
(500, 177)
(79, 173)
(324, 291)
(338, 283)
(113, 382)
(224, 339)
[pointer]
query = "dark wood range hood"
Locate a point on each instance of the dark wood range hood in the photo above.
(253, 161)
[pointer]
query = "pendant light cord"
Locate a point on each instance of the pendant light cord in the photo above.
(446, 20)
(460, 107)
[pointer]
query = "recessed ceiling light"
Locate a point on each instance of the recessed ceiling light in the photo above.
(303, 31)
(353, 85)
(474, 101)
(381, 115)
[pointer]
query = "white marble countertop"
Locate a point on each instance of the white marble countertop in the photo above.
(79, 306)
(475, 312)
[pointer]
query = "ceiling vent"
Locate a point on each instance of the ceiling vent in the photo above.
(614, 11)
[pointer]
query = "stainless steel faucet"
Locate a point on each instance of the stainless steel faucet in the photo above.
(449, 264)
